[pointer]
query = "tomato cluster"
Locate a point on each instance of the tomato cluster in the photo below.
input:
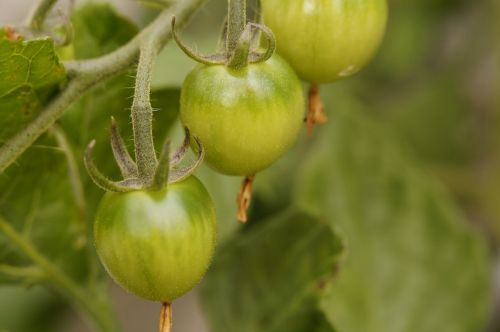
(246, 108)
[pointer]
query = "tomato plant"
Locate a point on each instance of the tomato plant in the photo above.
(345, 228)
(245, 118)
(325, 41)
(157, 244)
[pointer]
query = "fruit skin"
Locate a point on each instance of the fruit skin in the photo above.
(246, 119)
(157, 244)
(326, 40)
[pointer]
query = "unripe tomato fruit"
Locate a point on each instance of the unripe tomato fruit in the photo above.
(246, 118)
(157, 244)
(326, 40)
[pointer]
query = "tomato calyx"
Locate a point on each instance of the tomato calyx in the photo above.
(244, 198)
(167, 170)
(241, 41)
(316, 109)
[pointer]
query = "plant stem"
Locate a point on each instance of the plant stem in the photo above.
(166, 317)
(92, 305)
(40, 11)
(142, 112)
(237, 20)
(28, 272)
(75, 181)
(83, 75)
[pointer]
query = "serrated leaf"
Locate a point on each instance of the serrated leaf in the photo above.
(270, 276)
(29, 72)
(414, 263)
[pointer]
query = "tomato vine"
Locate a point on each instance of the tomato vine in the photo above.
(83, 75)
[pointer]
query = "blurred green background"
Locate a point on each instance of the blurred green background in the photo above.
(397, 197)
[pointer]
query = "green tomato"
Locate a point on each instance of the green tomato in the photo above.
(326, 40)
(157, 244)
(246, 119)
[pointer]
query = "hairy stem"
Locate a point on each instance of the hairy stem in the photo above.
(92, 305)
(237, 19)
(84, 75)
(39, 13)
(142, 112)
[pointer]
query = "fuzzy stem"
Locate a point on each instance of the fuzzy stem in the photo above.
(39, 13)
(237, 20)
(85, 74)
(92, 305)
(239, 57)
(142, 112)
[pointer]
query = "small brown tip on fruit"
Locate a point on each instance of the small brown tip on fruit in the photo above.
(244, 198)
(166, 317)
(316, 110)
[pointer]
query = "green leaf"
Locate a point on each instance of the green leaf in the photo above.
(223, 190)
(414, 263)
(270, 276)
(34, 309)
(29, 73)
(37, 198)
(99, 30)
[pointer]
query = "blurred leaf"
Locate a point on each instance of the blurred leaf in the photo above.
(439, 93)
(223, 190)
(409, 246)
(37, 198)
(37, 193)
(435, 119)
(269, 277)
(100, 30)
(49, 212)
(272, 186)
(29, 72)
(33, 309)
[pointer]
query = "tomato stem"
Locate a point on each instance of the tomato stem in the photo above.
(244, 198)
(316, 110)
(166, 317)
(142, 112)
(163, 169)
(237, 20)
(239, 55)
(39, 13)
